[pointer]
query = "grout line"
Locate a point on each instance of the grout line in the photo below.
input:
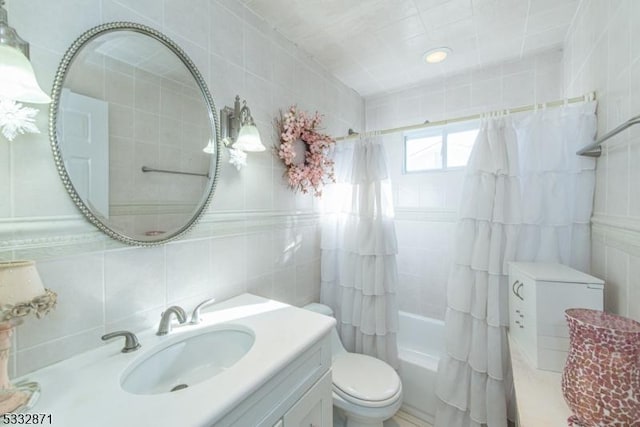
(526, 26)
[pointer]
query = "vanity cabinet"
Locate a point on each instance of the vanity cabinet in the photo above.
(314, 409)
(299, 395)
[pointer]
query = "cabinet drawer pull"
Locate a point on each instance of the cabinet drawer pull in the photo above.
(516, 290)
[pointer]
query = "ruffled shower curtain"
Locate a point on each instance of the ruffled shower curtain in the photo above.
(359, 250)
(526, 197)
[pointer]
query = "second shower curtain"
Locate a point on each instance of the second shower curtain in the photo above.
(359, 250)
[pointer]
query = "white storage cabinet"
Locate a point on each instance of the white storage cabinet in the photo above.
(538, 297)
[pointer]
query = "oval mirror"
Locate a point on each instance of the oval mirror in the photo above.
(134, 133)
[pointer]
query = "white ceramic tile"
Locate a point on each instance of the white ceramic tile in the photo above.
(634, 288)
(518, 89)
(259, 254)
(307, 283)
(227, 35)
(36, 189)
(134, 281)
(190, 22)
(257, 52)
(188, 269)
(616, 289)
(37, 357)
(142, 320)
(150, 11)
(457, 98)
(486, 93)
(284, 285)
(556, 17)
(257, 195)
(261, 286)
(228, 262)
(548, 85)
(78, 283)
(598, 257)
(5, 180)
(53, 26)
(618, 180)
(634, 178)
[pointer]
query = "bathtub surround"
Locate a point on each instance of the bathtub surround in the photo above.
(426, 203)
(359, 247)
(257, 236)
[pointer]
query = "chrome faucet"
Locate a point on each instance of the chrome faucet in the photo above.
(195, 316)
(165, 320)
(130, 340)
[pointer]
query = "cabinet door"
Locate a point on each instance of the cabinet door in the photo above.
(315, 408)
(516, 307)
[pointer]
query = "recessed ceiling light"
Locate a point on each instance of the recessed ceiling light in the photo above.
(439, 54)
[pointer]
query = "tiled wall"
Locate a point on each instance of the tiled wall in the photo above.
(426, 203)
(101, 291)
(603, 54)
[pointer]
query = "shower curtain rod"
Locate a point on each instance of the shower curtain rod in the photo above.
(588, 97)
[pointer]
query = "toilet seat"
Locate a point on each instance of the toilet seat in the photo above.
(365, 381)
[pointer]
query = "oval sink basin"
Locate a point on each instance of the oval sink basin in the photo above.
(188, 361)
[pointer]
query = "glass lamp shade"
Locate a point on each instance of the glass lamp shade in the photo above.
(210, 148)
(249, 139)
(18, 81)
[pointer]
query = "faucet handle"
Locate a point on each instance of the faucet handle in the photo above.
(195, 316)
(130, 340)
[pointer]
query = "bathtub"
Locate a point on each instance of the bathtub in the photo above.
(420, 345)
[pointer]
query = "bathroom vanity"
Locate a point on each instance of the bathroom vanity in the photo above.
(283, 379)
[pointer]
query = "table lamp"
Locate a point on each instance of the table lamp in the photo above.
(21, 294)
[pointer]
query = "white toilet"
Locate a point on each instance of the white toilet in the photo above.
(366, 390)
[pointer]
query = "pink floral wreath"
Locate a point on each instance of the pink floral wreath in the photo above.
(301, 126)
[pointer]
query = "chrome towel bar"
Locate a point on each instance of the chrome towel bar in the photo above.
(148, 169)
(595, 149)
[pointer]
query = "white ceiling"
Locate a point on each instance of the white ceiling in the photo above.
(376, 46)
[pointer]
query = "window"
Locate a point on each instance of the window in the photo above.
(440, 147)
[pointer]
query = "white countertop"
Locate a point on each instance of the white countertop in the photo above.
(85, 390)
(538, 393)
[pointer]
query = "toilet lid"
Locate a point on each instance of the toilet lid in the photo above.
(364, 378)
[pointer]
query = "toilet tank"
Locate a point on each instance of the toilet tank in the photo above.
(336, 344)
(319, 308)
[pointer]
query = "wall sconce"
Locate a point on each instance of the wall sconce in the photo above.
(239, 133)
(18, 82)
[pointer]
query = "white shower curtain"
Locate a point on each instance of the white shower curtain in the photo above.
(527, 197)
(359, 250)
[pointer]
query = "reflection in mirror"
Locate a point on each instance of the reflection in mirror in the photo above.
(131, 119)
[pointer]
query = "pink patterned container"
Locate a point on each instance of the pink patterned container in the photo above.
(601, 380)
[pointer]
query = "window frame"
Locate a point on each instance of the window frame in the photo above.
(444, 131)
